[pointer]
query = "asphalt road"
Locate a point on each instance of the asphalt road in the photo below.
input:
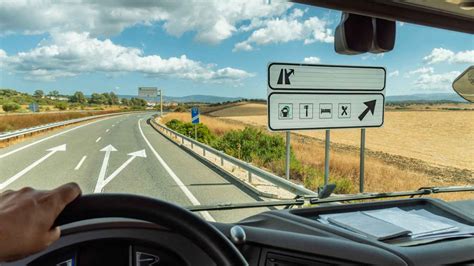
(108, 155)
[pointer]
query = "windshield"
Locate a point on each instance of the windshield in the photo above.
(171, 100)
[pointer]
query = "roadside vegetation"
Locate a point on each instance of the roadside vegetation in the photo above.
(261, 149)
(55, 107)
(14, 101)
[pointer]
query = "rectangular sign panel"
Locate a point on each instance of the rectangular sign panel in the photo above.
(148, 92)
(307, 110)
(287, 76)
(195, 115)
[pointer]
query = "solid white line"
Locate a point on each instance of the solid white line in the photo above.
(116, 172)
(50, 137)
(24, 171)
(103, 169)
(176, 179)
(98, 139)
(80, 162)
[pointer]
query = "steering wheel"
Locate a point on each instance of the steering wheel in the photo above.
(159, 212)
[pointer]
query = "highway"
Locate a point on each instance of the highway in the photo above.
(121, 154)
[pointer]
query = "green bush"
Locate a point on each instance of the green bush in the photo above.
(204, 135)
(61, 106)
(10, 107)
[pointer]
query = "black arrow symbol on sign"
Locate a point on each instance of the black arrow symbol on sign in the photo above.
(370, 107)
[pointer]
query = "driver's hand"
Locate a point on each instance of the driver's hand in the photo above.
(26, 218)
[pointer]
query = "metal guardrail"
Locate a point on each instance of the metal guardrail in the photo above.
(14, 134)
(251, 169)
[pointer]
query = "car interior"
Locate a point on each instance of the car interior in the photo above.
(126, 229)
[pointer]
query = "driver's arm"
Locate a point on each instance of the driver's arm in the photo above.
(27, 217)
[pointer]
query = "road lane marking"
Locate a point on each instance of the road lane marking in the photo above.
(176, 179)
(113, 125)
(98, 139)
(108, 149)
(50, 137)
(133, 155)
(80, 162)
(107, 130)
(33, 165)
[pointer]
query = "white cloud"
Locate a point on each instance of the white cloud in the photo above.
(436, 82)
(287, 28)
(394, 73)
(439, 55)
(211, 21)
(421, 70)
(312, 60)
(69, 54)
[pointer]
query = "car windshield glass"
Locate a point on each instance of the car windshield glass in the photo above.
(195, 102)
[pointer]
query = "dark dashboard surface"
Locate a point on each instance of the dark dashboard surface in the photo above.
(280, 237)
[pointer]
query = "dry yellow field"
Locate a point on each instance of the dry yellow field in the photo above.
(380, 176)
(440, 138)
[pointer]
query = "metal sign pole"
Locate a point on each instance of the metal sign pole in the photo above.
(287, 155)
(362, 160)
(326, 157)
(161, 102)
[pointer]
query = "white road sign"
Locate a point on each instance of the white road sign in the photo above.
(148, 92)
(282, 76)
(304, 96)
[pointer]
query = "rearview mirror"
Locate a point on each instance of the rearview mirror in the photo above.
(354, 34)
(464, 84)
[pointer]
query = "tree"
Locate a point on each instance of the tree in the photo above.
(125, 101)
(61, 106)
(78, 97)
(113, 99)
(54, 93)
(138, 102)
(98, 98)
(39, 94)
(10, 107)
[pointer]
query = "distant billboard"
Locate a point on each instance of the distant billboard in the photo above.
(148, 92)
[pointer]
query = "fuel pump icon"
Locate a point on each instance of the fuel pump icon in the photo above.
(285, 111)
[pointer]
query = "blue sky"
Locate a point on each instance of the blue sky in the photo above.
(217, 48)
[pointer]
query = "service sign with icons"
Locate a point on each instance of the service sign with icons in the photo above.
(302, 96)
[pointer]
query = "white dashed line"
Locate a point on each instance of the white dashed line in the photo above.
(80, 162)
(176, 179)
(107, 130)
(98, 139)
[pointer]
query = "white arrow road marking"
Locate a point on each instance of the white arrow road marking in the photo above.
(80, 162)
(33, 165)
(176, 179)
(108, 149)
(133, 155)
(98, 139)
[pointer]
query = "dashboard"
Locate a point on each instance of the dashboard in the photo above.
(277, 237)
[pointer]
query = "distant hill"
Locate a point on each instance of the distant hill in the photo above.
(432, 97)
(192, 98)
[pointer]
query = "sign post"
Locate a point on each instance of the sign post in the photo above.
(362, 160)
(308, 97)
(195, 119)
(33, 107)
(288, 151)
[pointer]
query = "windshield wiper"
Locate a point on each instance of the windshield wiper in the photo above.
(257, 204)
(301, 200)
(420, 192)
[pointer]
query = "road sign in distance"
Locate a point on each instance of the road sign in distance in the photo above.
(148, 92)
(287, 76)
(195, 115)
(296, 111)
